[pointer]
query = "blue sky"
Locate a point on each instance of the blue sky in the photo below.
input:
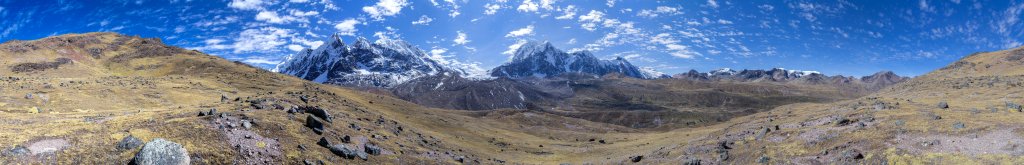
(910, 37)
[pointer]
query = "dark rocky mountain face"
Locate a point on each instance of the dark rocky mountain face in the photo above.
(455, 92)
(536, 59)
(384, 63)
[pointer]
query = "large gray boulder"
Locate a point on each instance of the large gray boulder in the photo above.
(161, 152)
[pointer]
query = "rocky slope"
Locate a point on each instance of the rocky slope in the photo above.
(541, 59)
(965, 113)
(384, 63)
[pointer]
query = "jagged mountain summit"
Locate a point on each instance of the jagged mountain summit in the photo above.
(383, 63)
(883, 78)
(541, 59)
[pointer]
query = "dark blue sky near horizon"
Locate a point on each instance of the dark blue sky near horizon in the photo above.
(910, 37)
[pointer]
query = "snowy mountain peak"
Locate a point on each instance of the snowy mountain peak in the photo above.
(723, 71)
(362, 43)
(383, 63)
(533, 48)
(541, 59)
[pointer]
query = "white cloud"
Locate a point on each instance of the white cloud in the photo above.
(460, 38)
(260, 60)
(570, 12)
(273, 17)
(528, 30)
(347, 27)
(923, 4)
(610, 3)
(528, 6)
(512, 48)
(248, 4)
(491, 8)
(298, 1)
(724, 22)
(263, 39)
(438, 52)
(179, 29)
(712, 4)
(658, 11)
(299, 13)
(547, 4)
(295, 48)
(385, 8)
(589, 21)
(391, 33)
(424, 20)
(308, 43)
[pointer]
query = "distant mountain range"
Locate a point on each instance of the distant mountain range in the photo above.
(574, 84)
(872, 82)
(387, 63)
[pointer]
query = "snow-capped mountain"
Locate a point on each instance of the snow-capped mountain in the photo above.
(875, 81)
(541, 59)
(383, 63)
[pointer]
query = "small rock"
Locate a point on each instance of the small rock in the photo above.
(354, 126)
(762, 133)
(202, 113)
(128, 142)
(763, 159)
(724, 145)
(323, 142)
(246, 124)
(843, 122)
(1014, 106)
(309, 162)
(601, 141)
(16, 151)
(691, 161)
(852, 154)
(637, 158)
(162, 152)
(723, 155)
(315, 124)
(344, 151)
(346, 139)
(371, 149)
(319, 112)
(900, 122)
(362, 155)
(927, 144)
(959, 125)
(943, 105)
(460, 159)
(212, 111)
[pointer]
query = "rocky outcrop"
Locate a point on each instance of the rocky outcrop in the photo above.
(161, 152)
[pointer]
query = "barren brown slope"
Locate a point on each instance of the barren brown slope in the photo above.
(965, 113)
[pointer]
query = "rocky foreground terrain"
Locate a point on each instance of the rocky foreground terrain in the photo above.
(104, 98)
